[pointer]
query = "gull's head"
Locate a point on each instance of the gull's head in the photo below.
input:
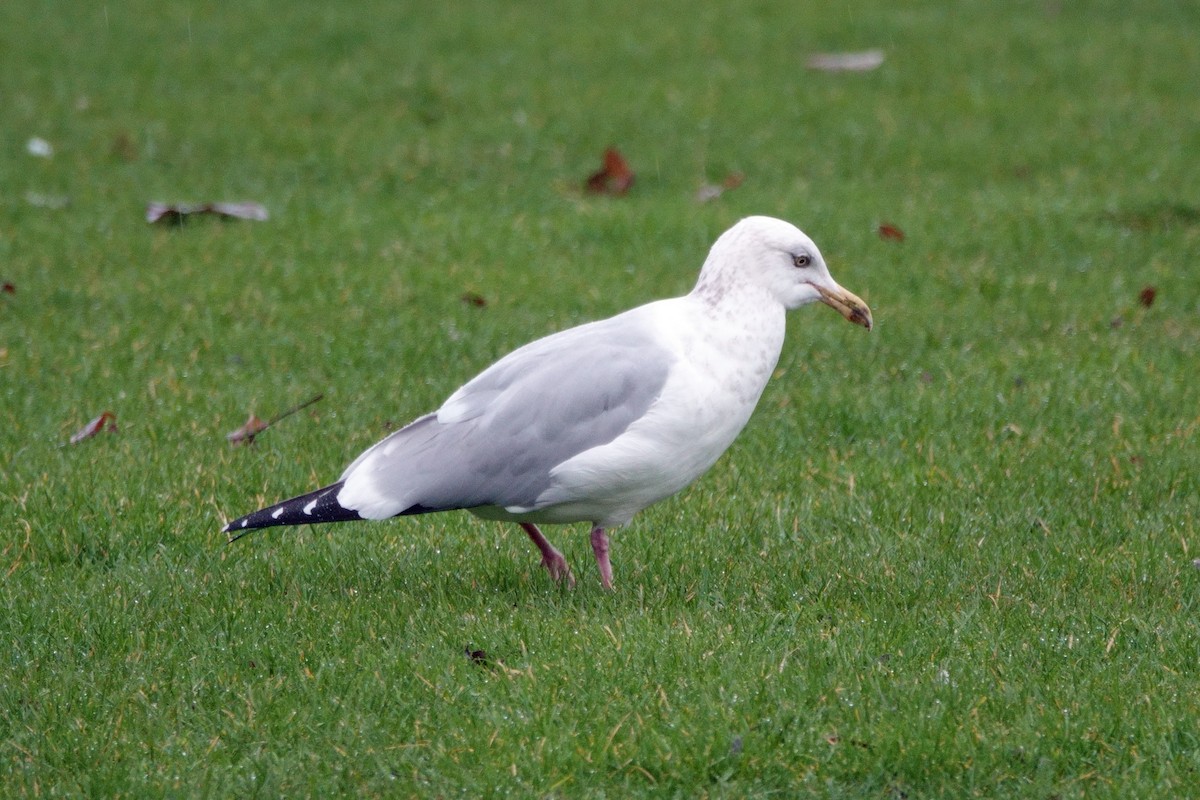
(774, 256)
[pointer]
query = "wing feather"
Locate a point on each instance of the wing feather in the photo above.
(496, 440)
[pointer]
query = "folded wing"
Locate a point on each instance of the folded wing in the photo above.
(497, 439)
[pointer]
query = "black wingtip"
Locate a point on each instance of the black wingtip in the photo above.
(307, 509)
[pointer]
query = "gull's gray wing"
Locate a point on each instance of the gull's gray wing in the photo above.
(495, 440)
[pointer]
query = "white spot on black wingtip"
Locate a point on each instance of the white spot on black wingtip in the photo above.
(277, 513)
(308, 509)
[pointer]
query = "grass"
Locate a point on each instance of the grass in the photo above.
(952, 558)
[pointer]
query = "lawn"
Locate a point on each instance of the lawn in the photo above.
(954, 557)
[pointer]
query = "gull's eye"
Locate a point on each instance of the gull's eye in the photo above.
(802, 260)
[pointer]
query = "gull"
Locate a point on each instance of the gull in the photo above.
(597, 422)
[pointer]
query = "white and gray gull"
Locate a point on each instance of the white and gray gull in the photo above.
(597, 422)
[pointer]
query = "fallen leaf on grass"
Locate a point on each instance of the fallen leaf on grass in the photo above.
(890, 232)
(481, 658)
(176, 213)
(8, 288)
(474, 299)
(247, 432)
(106, 421)
(1146, 296)
(615, 177)
(711, 191)
(254, 426)
(862, 61)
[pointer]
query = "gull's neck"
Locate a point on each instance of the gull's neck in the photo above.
(743, 333)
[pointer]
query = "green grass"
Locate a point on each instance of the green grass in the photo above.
(950, 558)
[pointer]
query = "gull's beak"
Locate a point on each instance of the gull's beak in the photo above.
(848, 304)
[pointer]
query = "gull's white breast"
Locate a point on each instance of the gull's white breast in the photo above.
(723, 357)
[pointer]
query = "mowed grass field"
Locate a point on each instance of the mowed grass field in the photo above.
(954, 557)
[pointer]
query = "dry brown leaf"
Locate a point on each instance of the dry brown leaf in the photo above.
(474, 299)
(615, 177)
(711, 191)
(177, 213)
(254, 426)
(890, 232)
(1146, 296)
(247, 432)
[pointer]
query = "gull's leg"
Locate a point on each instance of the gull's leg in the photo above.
(552, 560)
(600, 548)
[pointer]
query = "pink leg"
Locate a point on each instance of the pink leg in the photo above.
(600, 548)
(552, 560)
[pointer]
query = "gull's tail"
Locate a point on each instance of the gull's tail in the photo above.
(319, 506)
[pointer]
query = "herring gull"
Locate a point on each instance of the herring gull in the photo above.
(595, 423)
